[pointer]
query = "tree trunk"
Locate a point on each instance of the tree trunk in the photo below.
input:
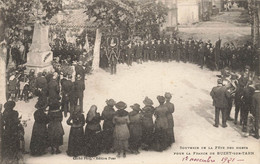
(3, 54)
(96, 53)
(2, 72)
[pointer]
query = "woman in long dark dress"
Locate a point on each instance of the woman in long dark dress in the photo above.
(55, 129)
(93, 136)
(39, 139)
(108, 126)
(147, 123)
(10, 136)
(76, 121)
(161, 139)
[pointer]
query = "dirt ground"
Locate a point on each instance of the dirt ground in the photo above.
(228, 26)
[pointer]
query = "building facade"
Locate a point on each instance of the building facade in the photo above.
(187, 11)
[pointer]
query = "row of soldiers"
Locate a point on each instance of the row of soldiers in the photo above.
(213, 56)
(243, 90)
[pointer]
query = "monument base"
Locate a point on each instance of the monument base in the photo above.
(38, 68)
(39, 61)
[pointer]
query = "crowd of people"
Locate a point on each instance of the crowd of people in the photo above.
(122, 131)
(202, 53)
(242, 89)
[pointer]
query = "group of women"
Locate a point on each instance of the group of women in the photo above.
(122, 131)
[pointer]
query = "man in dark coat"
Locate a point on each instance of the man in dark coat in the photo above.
(79, 87)
(41, 83)
(139, 53)
(129, 54)
(247, 95)
(146, 48)
(201, 54)
(256, 109)
(54, 88)
(66, 89)
(219, 95)
(152, 50)
(80, 70)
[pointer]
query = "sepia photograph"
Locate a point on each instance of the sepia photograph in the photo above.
(129, 81)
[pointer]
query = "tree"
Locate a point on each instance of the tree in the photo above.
(15, 17)
(124, 16)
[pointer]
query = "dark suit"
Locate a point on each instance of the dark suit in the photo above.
(79, 87)
(256, 110)
(66, 88)
(80, 71)
(220, 97)
(53, 90)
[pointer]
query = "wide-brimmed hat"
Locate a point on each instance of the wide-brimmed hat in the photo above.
(121, 105)
(111, 102)
(9, 105)
(41, 105)
(168, 95)
(161, 99)
(136, 107)
(148, 101)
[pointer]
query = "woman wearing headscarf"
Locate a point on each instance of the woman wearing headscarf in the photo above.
(147, 123)
(55, 129)
(161, 125)
(108, 126)
(121, 132)
(39, 137)
(170, 107)
(76, 137)
(93, 133)
(135, 127)
(10, 136)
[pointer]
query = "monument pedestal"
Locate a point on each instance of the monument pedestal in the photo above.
(40, 55)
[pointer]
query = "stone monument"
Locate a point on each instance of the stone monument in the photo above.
(40, 55)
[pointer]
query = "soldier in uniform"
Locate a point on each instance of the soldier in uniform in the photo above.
(201, 55)
(129, 54)
(139, 53)
(146, 48)
(179, 51)
(158, 51)
(152, 50)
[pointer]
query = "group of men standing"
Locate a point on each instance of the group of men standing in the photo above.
(244, 90)
(213, 56)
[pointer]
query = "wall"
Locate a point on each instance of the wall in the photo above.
(188, 11)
